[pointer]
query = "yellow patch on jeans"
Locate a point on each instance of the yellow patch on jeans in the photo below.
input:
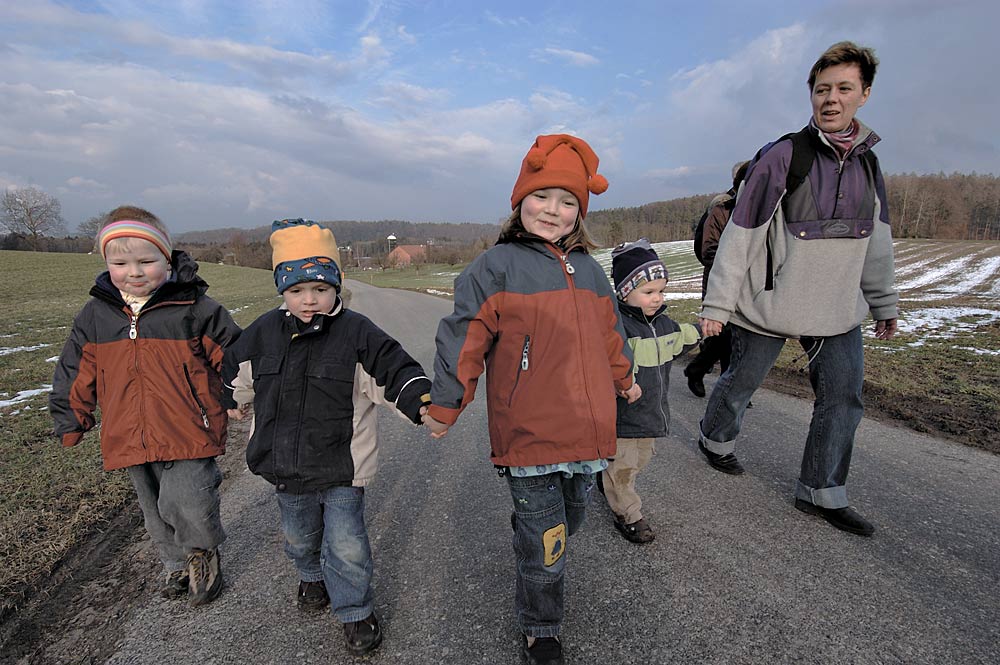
(554, 541)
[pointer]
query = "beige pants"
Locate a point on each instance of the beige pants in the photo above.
(619, 478)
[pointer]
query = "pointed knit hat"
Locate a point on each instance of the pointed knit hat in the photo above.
(560, 160)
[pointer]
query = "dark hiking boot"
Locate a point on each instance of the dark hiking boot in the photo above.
(696, 382)
(846, 519)
(363, 636)
(205, 575)
(724, 463)
(175, 585)
(544, 651)
(638, 532)
(312, 596)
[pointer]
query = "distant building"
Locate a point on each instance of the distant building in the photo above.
(405, 255)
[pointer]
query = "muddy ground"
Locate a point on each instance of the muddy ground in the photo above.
(73, 616)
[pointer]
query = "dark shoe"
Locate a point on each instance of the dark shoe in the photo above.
(749, 405)
(363, 636)
(175, 585)
(600, 482)
(545, 651)
(696, 382)
(312, 596)
(205, 577)
(638, 532)
(845, 519)
(724, 463)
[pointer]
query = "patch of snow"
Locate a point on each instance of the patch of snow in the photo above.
(937, 275)
(24, 395)
(6, 351)
(435, 292)
(981, 352)
(52, 359)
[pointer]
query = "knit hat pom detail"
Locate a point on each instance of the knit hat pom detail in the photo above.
(536, 158)
(597, 184)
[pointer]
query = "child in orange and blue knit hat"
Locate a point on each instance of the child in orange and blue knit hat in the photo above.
(318, 370)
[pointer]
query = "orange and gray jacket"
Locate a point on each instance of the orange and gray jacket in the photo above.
(544, 323)
(155, 375)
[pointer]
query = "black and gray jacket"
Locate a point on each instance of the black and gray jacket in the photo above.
(655, 342)
(315, 392)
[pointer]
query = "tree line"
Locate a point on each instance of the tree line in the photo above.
(958, 206)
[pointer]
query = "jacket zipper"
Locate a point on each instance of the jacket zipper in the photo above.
(523, 368)
(194, 394)
(659, 373)
(576, 308)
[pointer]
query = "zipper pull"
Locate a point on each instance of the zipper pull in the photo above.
(132, 331)
(524, 352)
(569, 266)
(204, 418)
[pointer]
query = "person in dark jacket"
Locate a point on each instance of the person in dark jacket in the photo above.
(655, 339)
(318, 371)
(537, 312)
(717, 348)
(147, 348)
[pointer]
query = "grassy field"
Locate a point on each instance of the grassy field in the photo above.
(53, 496)
(941, 373)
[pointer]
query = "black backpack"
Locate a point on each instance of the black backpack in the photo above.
(699, 229)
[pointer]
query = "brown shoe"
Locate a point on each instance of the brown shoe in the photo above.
(638, 532)
(363, 636)
(205, 577)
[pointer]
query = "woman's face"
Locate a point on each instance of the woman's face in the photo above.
(837, 95)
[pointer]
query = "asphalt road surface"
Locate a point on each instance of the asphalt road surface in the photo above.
(736, 574)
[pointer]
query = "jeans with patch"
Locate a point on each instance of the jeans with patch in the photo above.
(836, 372)
(180, 506)
(547, 510)
(326, 538)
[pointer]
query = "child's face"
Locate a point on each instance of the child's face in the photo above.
(136, 266)
(648, 296)
(549, 213)
(837, 94)
(307, 299)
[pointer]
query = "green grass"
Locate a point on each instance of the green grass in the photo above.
(433, 276)
(53, 496)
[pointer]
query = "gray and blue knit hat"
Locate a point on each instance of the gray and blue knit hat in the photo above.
(633, 263)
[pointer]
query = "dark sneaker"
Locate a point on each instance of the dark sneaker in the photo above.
(175, 585)
(544, 651)
(696, 382)
(363, 636)
(205, 582)
(845, 519)
(724, 463)
(638, 532)
(312, 596)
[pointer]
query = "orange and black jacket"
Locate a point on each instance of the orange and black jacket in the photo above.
(544, 323)
(154, 375)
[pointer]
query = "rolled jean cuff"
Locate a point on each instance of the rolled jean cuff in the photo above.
(542, 631)
(353, 614)
(827, 497)
(717, 447)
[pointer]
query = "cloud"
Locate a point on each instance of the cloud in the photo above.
(575, 58)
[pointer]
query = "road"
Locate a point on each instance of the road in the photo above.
(736, 574)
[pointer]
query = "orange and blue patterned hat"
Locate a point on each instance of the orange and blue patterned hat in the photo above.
(303, 251)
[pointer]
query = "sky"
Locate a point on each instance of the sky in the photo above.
(233, 113)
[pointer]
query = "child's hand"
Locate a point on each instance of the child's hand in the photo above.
(236, 414)
(710, 327)
(632, 394)
(438, 429)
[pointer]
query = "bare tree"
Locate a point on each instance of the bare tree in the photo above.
(31, 212)
(90, 227)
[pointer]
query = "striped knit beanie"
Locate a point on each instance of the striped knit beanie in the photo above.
(633, 263)
(129, 228)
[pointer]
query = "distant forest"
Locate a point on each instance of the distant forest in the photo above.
(948, 207)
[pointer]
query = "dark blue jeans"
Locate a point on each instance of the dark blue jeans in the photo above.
(326, 538)
(836, 373)
(548, 509)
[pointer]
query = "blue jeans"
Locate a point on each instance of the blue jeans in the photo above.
(836, 373)
(547, 510)
(326, 538)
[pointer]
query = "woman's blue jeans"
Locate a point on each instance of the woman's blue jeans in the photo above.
(836, 373)
(547, 510)
(326, 538)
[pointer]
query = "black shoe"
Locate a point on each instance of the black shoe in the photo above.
(175, 585)
(749, 405)
(312, 596)
(696, 382)
(638, 532)
(724, 463)
(845, 519)
(363, 636)
(545, 651)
